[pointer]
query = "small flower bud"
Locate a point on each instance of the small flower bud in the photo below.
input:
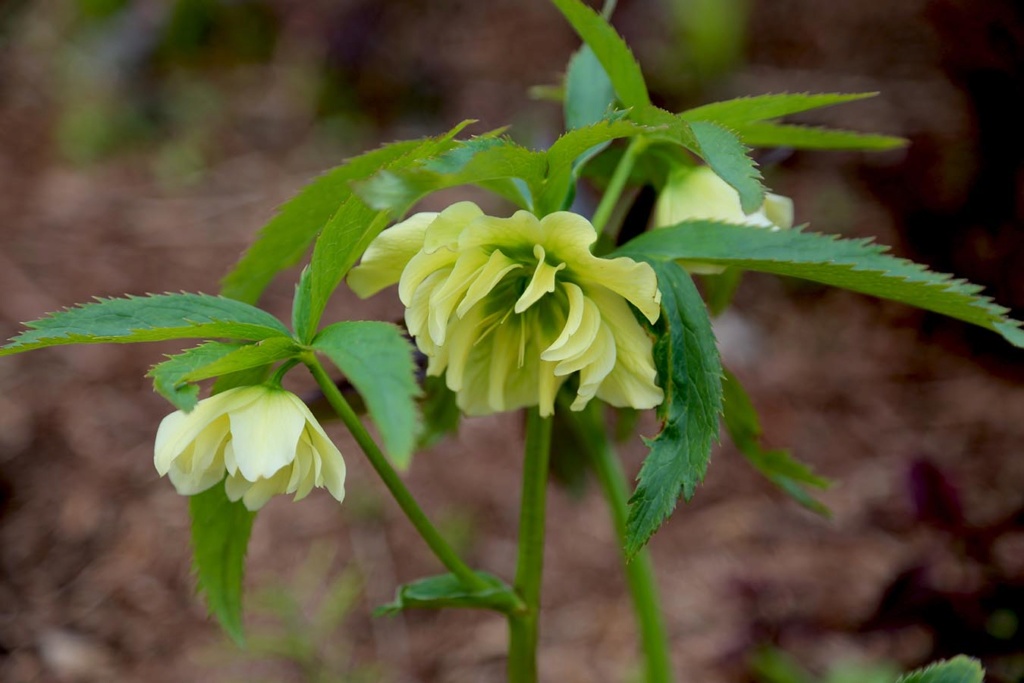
(697, 193)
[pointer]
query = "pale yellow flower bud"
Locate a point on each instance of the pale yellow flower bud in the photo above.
(510, 308)
(263, 438)
(697, 193)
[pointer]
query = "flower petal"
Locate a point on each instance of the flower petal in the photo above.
(633, 281)
(446, 229)
(542, 282)
(567, 236)
(445, 297)
(633, 380)
(266, 433)
(235, 487)
(332, 466)
(572, 323)
(581, 340)
(387, 255)
(179, 429)
(421, 267)
(778, 210)
(497, 267)
(262, 490)
(519, 232)
(603, 355)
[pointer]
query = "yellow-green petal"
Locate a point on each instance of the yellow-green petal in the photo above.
(542, 282)
(445, 230)
(265, 434)
(386, 257)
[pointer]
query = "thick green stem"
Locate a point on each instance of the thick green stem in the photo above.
(403, 497)
(523, 625)
(615, 187)
(639, 571)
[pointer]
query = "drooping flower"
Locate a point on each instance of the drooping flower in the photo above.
(697, 193)
(510, 308)
(263, 438)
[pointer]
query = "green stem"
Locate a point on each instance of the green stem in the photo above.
(403, 497)
(524, 625)
(615, 187)
(639, 571)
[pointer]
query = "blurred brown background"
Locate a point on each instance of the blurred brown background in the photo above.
(143, 143)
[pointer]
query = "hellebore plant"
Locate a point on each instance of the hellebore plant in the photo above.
(542, 310)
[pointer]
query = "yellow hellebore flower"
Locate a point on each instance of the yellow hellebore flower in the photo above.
(697, 193)
(510, 308)
(263, 437)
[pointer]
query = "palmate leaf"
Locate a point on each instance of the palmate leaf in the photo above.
(690, 371)
(148, 318)
(284, 240)
(220, 537)
(611, 51)
(857, 265)
(377, 359)
(959, 669)
(778, 466)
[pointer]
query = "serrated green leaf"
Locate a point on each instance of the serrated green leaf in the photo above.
(220, 538)
(667, 127)
(690, 371)
(302, 303)
(611, 51)
(857, 265)
(377, 359)
(248, 356)
(570, 152)
(960, 669)
(750, 119)
(446, 590)
(242, 378)
(342, 242)
(480, 161)
(148, 318)
(778, 466)
(284, 240)
(589, 93)
(168, 376)
(727, 157)
(810, 137)
(771, 106)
